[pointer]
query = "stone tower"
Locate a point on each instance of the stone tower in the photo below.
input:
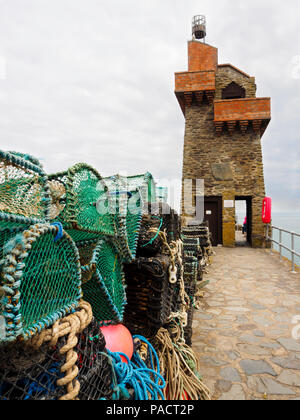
(224, 124)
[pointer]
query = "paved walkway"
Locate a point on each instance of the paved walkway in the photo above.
(243, 334)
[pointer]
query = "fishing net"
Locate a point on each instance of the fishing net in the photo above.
(28, 157)
(128, 205)
(196, 251)
(103, 284)
(58, 198)
(27, 373)
(24, 192)
(188, 329)
(87, 205)
(143, 183)
(66, 362)
(86, 250)
(40, 281)
(149, 294)
(202, 233)
(95, 371)
(157, 217)
(150, 242)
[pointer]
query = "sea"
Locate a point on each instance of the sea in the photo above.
(287, 221)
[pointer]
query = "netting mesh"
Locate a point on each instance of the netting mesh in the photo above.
(58, 198)
(40, 280)
(27, 373)
(150, 242)
(143, 183)
(31, 373)
(196, 249)
(26, 156)
(150, 294)
(128, 213)
(95, 371)
(104, 288)
(25, 197)
(157, 217)
(86, 250)
(88, 207)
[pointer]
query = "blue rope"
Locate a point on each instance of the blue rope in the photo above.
(135, 373)
(60, 231)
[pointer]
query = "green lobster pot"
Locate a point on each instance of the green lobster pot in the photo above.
(40, 281)
(128, 216)
(103, 284)
(24, 191)
(145, 184)
(81, 202)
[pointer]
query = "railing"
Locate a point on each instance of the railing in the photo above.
(282, 246)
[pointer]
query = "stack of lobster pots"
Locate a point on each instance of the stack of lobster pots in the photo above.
(152, 278)
(197, 250)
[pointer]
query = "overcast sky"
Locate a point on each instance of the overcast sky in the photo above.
(93, 81)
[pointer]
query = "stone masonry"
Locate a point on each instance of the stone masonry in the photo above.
(222, 142)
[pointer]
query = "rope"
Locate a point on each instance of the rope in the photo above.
(157, 233)
(180, 367)
(148, 384)
(69, 326)
(60, 231)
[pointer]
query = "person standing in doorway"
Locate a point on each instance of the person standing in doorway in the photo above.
(245, 226)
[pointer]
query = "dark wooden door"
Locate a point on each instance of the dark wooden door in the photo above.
(212, 216)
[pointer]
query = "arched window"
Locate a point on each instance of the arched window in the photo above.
(233, 91)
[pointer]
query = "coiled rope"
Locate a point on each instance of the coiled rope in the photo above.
(180, 366)
(147, 384)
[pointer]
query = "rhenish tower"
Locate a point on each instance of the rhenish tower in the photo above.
(224, 124)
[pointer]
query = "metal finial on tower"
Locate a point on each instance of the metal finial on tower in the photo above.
(199, 27)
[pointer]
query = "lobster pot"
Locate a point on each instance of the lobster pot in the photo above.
(103, 284)
(202, 233)
(150, 295)
(150, 243)
(24, 191)
(40, 281)
(170, 219)
(83, 205)
(191, 246)
(28, 372)
(190, 267)
(188, 330)
(144, 183)
(95, 371)
(192, 260)
(157, 217)
(86, 250)
(128, 215)
(132, 223)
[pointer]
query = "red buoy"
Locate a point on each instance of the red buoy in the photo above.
(267, 210)
(118, 340)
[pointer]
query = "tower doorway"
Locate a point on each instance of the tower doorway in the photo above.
(243, 218)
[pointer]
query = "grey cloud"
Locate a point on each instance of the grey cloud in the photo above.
(94, 81)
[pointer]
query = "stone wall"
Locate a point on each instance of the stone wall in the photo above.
(227, 74)
(230, 164)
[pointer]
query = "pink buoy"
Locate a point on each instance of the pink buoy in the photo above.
(118, 340)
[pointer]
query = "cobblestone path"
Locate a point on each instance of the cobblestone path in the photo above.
(243, 333)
